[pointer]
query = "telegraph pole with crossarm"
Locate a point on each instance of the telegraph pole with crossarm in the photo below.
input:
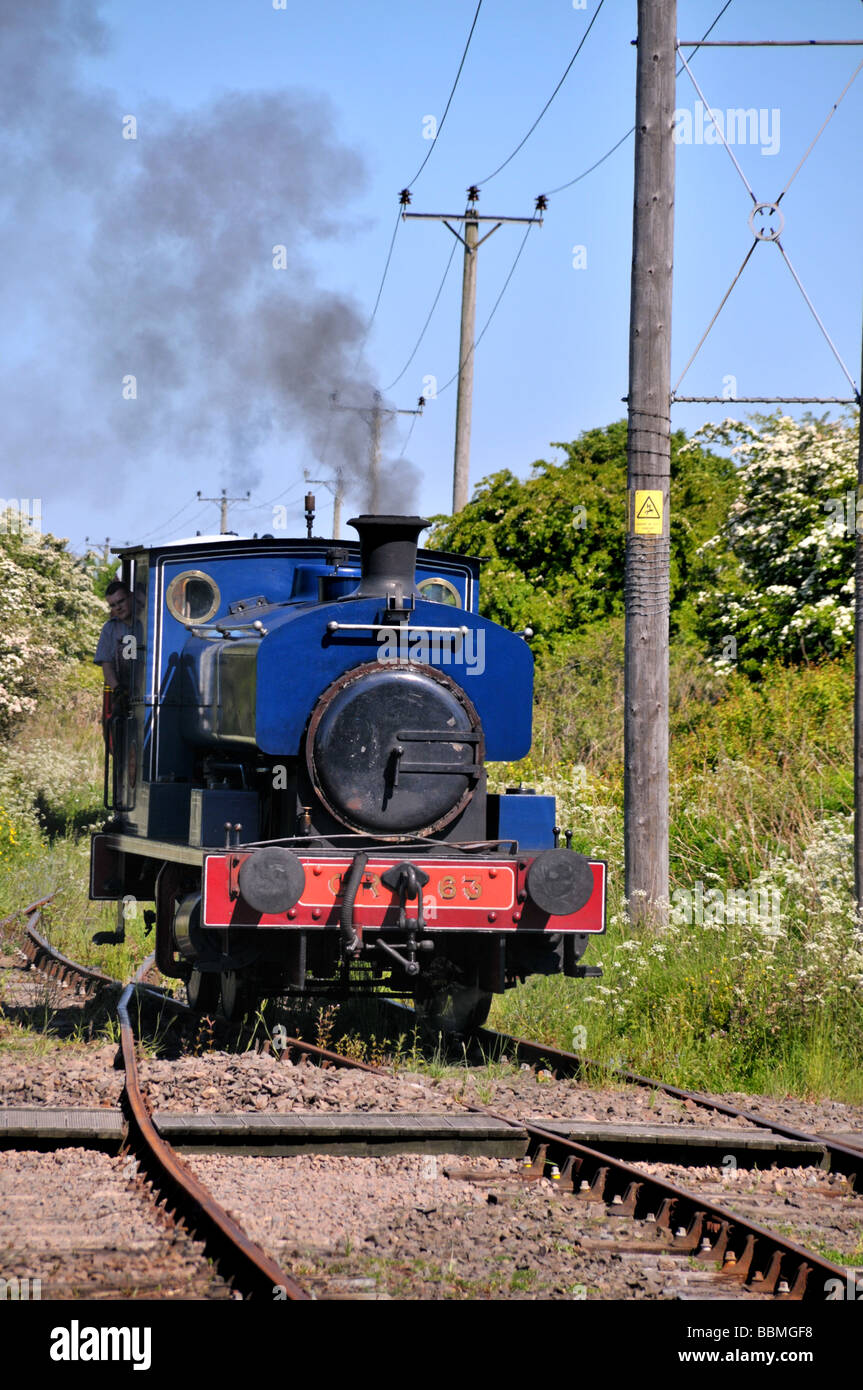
(471, 242)
(223, 502)
(374, 417)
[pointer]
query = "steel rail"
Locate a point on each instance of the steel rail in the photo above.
(51, 962)
(845, 1158)
(328, 1058)
(26, 911)
(752, 1255)
(45, 957)
(259, 1274)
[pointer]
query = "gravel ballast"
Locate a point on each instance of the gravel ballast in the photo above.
(223, 1082)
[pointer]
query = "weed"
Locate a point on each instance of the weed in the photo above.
(110, 1032)
(353, 1046)
(256, 1026)
(854, 1259)
(326, 1022)
(205, 1036)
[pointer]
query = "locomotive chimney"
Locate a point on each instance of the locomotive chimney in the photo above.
(388, 555)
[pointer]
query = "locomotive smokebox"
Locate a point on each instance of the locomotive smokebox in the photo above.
(388, 555)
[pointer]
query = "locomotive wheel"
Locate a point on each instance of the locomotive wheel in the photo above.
(236, 993)
(202, 990)
(456, 1009)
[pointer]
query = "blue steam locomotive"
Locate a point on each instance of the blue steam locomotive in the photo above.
(297, 778)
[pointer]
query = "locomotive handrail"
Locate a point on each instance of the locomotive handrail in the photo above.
(254, 629)
(451, 848)
(390, 626)
(234, 632)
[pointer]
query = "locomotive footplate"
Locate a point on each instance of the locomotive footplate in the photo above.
(493, 894)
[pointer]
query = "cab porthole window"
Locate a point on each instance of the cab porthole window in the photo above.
(193, 597)
(438, 590)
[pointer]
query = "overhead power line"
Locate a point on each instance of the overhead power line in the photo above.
(525, 139)
(415, 177)
(392, 242)
(189, 520)
(426, 324)
(449, 100)
(583, 175)
(167, 525)
(616, 146)
(262, 506)
(416, 415)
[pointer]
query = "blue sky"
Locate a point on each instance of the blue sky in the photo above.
(332, 100)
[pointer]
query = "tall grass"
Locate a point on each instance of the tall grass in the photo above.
(762, 994)
(50, 796)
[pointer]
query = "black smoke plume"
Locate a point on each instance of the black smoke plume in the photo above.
(155, 332)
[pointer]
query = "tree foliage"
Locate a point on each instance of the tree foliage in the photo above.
(101, 572)
(777, 580)
(554, 544)
(49, 614)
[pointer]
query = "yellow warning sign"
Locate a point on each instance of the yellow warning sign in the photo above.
(647, 513)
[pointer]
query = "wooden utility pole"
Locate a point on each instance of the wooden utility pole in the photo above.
(337, 487)
(464, 402)
(223, 502)
(471, 242)
(106, 548)
(374, 417)
(648, 470)
(338, 494)
(375, 457)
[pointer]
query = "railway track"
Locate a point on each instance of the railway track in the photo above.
(737, 1255)
(747, 1255)
(249, 1269)
(78, 1224)
(254, 1272)
(844, 1157)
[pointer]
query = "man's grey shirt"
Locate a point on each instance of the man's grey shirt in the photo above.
(110, 647)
